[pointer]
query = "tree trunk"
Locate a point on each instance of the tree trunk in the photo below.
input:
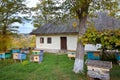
(79, 60)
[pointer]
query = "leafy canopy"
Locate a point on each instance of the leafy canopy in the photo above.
(10, 12)
(82, 7)
(109, 39)
(50, 10)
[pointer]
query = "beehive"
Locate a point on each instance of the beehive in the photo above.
(93, 55)
(26, 51)
(41, 52)
(98, 69)
(35, 52)
(21, 56)
(15, 51)
(38, 52)
(1, 55)
(36, 58)
(71, 54)
(15, 55)
(6, 55)
(118, 57)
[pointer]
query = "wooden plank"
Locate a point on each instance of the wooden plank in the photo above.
(95, 74)
(100, 64)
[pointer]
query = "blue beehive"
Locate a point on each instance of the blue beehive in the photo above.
(26, 51)
(90, 55)
(93, 55)
(21, 56)
(6, 55)
(41, 52)
(15, 51)
(41, 55)
(41, 58)
(118, 56)
(0, 56)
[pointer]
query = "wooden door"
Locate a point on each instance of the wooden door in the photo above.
(63, 43)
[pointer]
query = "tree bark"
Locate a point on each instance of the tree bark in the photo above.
(79, 60)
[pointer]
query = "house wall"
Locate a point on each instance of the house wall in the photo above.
(55, 46)
(71, 42)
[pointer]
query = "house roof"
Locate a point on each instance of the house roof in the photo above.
(101, 22)
(104, 21)
(56, 28)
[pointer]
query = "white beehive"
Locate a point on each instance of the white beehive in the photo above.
(99, 69)
(15, 55)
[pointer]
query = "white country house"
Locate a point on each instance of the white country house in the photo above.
(54, 37)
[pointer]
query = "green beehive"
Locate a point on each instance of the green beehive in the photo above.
(6, 55)
(35, 52)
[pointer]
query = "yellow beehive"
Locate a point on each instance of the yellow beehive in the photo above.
(15, 56)
(71, 54)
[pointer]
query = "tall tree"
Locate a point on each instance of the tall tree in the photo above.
(10, 11)
(46, 11)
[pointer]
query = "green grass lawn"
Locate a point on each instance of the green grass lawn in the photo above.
(53, 67)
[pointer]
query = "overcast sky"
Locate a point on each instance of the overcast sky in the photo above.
(27, 27)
